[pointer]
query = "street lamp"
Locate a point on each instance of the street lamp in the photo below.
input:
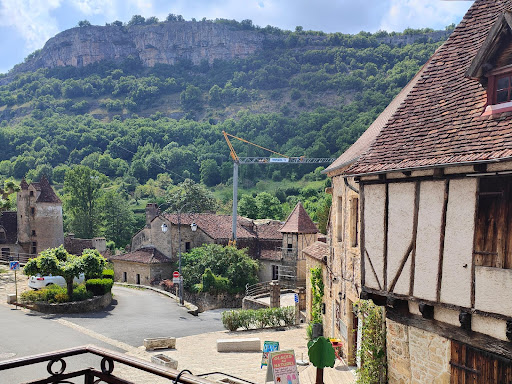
(193, 227)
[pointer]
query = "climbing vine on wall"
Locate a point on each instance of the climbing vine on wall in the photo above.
(373, 343)
(317, 288)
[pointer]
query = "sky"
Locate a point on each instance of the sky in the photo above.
(25, 25)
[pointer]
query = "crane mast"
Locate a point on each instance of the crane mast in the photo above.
(283, 159)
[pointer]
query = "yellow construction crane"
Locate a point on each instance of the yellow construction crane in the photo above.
(283, 159)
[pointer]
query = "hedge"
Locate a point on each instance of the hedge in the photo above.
(108, 274)
(259, 318)
(55, 294)
(99, 287)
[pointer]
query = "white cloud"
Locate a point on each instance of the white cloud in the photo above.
(93, 7)
(31, 19)
(422, 13)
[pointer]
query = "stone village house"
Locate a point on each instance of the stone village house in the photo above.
(154, 249)
(37, 225)
(434, 197)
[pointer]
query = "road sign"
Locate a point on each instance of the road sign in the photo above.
(14, 265)
(176, 275)
(296, 298)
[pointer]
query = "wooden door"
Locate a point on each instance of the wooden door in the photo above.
(473, 366)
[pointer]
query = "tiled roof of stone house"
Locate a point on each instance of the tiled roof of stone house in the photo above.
(299, 221)
(439, 123)
(144, 255)
(318, 250)
(269, 229)
(270, 254)
(216, 226)
(47, 194)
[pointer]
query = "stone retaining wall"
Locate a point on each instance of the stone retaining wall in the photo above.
(90, 305)
(206, 301)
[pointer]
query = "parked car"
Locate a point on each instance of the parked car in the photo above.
(38, 281)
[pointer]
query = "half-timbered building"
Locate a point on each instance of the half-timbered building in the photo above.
(435, 197)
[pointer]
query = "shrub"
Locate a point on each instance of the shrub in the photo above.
(99, 287)
(259, 318)
(108, 274)
(55, 294)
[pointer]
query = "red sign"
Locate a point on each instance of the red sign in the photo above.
(176, 274)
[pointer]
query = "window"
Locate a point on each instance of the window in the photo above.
(34, 248)
(354, 222)
(187, 246)
(137, 279)
(125, 277)
(339, 219)
(503, 89)
(32, 210)
(275, 272)
(3, 237)
(31, 193)
(290, 247)
(492, 240)
(33, 232)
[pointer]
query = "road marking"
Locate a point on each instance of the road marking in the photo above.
(98, 336)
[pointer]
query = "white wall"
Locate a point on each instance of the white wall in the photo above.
(375, 197)
(492, 290)
(428, 239)
(458, 246)
(400, 228)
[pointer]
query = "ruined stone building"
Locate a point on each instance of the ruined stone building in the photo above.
(35, 226)
(435, 231)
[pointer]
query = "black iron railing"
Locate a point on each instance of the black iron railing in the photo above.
(105, 374)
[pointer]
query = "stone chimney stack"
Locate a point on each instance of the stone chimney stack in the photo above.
(152, 211)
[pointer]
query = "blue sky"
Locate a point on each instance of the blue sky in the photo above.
(25, 25)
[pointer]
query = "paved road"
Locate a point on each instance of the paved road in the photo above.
(134, 315)
(137, 314)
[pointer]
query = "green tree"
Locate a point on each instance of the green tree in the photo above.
(228, 262)
(189, 196)
(57, 262)
(82, 191)
(210, 172)
(137, 20)
(247, 207)
(269, 207)
(192, 98)
(93, 264)
(84, 23)
(117, 219)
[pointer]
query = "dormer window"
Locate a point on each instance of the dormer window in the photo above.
(504, 89)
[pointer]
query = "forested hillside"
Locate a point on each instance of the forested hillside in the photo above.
(306, 93)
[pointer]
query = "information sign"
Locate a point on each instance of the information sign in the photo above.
(14, 265)
(284, 367)
(279, 160)
(268, 346)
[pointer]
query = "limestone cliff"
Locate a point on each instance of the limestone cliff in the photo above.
(163, 43)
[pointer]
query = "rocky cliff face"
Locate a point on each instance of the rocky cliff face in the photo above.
(163, 43)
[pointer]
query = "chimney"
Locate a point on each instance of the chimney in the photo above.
(152, 211)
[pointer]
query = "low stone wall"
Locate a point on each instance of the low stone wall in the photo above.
(206, 301)
(90, 305)
(252, 303)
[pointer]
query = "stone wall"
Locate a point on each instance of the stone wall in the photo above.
(90, 305)
(416, 356)
(206, 301)
(147, 272)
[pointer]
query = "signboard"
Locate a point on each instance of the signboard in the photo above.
(279, 160)
(176, 274)
(296, 297)
(268, 346)
(176, 278)
(284, 367)
(14, 265)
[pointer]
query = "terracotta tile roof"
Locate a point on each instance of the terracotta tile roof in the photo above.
(9, 222)
(47, 194)
(299, 221)
(318, 250)
(23, 184)
(368, 137)
(269, 229)
(440, 122)
(270, 254)
(216, 226)
(145, 255)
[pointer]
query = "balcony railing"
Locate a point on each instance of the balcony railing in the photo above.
(105, 374)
